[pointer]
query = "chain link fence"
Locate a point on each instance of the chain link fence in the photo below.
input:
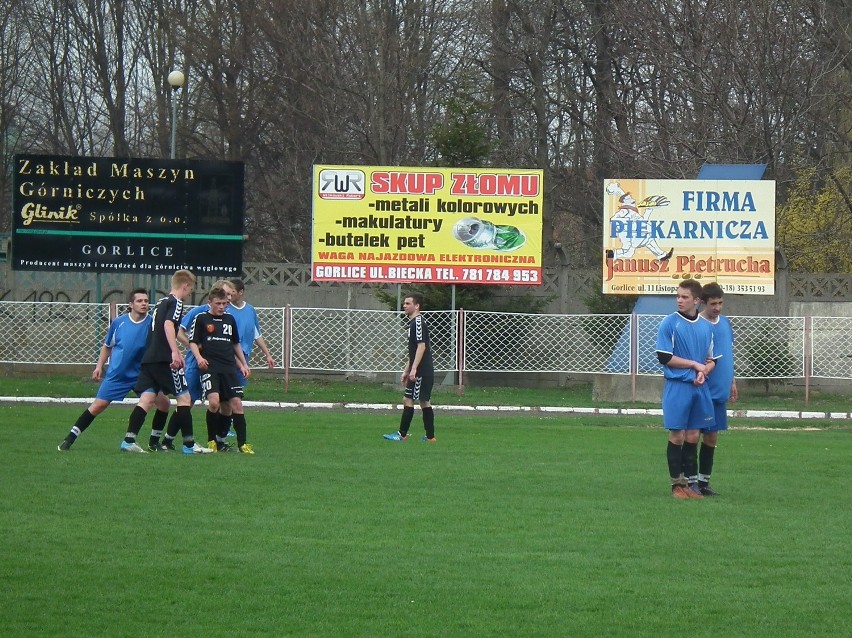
(374, 341)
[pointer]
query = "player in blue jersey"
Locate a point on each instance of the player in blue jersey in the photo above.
(248, 325)
(190, 370)
(685, 350)
(723, 386)
(124, 346)
(418, 377)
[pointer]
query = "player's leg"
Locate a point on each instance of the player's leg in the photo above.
(137, 419)
(210, 386)
(700, 416)
(675, 414)
(82, 422)
(423, 395)
(707, 452)
(158, 423)
(240, 426)
(407, 414)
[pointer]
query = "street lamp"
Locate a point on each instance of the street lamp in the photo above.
(176, 80)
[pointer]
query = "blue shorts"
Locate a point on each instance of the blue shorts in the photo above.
(721, 412)
(687, 406)
(113, 390)
(193, 380)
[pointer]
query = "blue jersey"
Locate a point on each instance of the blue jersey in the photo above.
(127, 340)
(685, 338)
(722, 377)
(248, 326)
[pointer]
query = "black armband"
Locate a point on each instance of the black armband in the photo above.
(664, 357)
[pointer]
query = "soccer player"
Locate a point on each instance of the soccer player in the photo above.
(419, 374)
(723, 386)
(124, 346)
(249, 328)
(685, 350)
(190, 370)
(162, 371)
(214, 340)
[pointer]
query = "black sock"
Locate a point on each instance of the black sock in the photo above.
(240, 428)
(705, 459)
(213, 426)
(405, 421)
(137, 419)
(690, 461)
(83, 421)
(224, 425)
(181, 421)
(429, 422)
(674, 455)
(158, 423)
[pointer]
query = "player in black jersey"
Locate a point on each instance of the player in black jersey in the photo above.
(419, 375)
(215, 343)
(162, 371)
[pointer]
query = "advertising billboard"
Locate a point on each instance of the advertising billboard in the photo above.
(102, 214)
(659, 232)
(427, 225)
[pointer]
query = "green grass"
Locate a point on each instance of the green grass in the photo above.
(271, 387)
(523, 525)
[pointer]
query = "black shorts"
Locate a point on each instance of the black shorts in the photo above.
(159, 377)
(227, 385)
(420, 390)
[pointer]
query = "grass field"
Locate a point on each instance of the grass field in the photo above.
(522, 525)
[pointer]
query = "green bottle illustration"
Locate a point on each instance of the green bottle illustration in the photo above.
(483, 235)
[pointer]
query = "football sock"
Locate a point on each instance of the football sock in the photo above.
(690, 461)
(429, 422)
(240, 428)
(674, 455)
(705, 460)
(84, 421)
(157, 425)
(212, 425)
(224, 425)
(405, 421)
(137, 418)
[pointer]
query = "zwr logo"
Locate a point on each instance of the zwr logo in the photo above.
(341, 184)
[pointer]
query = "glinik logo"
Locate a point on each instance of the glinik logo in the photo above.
(341, 184)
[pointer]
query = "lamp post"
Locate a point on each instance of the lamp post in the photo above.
(176, 80)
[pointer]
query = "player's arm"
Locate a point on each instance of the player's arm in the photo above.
(261, 343)
(242, 364)
(735, 393)
(182, 337)
(170, 330)
(418, 357)
(103, 355)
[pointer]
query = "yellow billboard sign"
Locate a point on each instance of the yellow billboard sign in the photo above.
(427, 225)
(658, 232)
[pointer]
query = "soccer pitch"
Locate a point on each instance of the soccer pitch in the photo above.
(510, 525)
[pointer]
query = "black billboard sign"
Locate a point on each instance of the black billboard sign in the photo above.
(104, 214)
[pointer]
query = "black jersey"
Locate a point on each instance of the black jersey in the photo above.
(157, 349)
(216, 337)
(418, 332)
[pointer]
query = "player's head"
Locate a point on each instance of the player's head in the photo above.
(688, 296)
(239, 288)
(138, 300)
(226, 285)
(218, 300)
(712, 296)
(183, 282)
(412, 304)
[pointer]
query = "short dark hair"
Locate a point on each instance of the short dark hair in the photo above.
(217, 292)
(692, 286)
(711, 291)
(416, 299)
(136, 291)
(238, 284)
